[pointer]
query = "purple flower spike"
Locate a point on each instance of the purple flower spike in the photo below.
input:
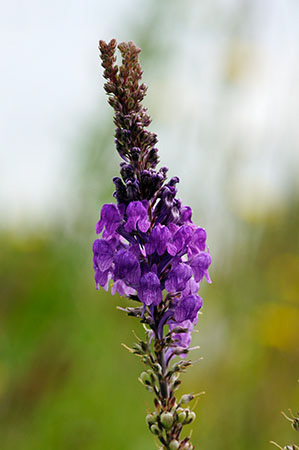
(127, 267)
(187, 308)
(150, 250)
(137, 216)
(200, 265)
(110, 219)
(158, 240)
(149, 290)
(178, 277)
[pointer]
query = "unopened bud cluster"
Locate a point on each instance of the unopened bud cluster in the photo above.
(171, 422)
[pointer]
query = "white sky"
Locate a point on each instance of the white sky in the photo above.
(49, 88)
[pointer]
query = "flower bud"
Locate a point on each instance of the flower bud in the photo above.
(151, 419)
(155, 429)
(188, 446)
(157, 368)
(174, 445)
(191, 417)
(166, 420)
(186, 399)
(182, 416)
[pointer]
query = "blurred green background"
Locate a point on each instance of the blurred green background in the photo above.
(223, 97)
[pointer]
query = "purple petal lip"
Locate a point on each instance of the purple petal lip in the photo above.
(158, 240)
(149, 289)
(188, 308)
(103, 254)
(200, 265)
(110, 219)
(101, 278)
(178, 278)
(137, 216)
(121, 287)
(127, 267)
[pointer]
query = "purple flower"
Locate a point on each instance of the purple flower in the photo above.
(127, 267)
(181, 238)
(149, 290)
(158, 240)
(102, 278)
(178, 278)
(191, 287)
(103, 254)
(199, 238)
(110, 219)
(200, 265)
(186, 214)
(187, 308)
(182, 339)
(121, 287)
(137, 216)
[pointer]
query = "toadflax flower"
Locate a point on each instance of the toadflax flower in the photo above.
(148, 248)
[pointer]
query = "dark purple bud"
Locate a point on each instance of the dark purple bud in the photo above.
(168, 208)
(149, 290)
(173, 181)
(134, 156)
(133, 190)
(120, 191)
(127, 172)
(150, 183)
(152, 158)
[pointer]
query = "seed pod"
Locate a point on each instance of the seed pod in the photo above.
(166, 420)
(174, 445)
